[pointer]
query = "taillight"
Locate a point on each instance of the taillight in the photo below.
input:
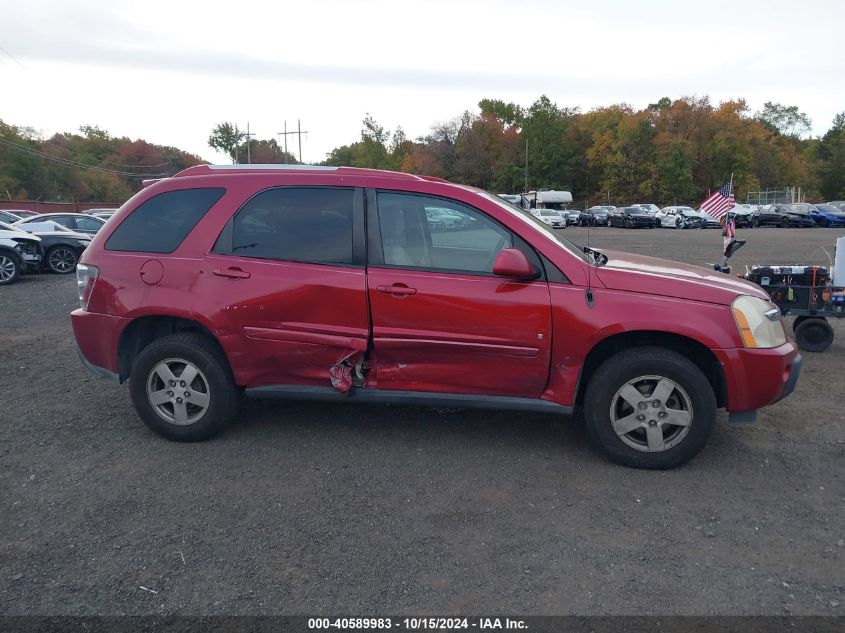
(86, 276)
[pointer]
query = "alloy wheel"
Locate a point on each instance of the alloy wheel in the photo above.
(651, 413)
(7, 268)
(62, 260)
(178, 391)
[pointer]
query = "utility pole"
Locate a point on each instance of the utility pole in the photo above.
(284, 136)
(526, 165)
(248, 156)
(299, 132)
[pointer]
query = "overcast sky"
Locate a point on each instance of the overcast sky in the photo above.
(169, 71)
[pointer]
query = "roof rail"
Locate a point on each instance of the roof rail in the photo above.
(205, 170)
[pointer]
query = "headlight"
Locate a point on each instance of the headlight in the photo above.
(760, 325)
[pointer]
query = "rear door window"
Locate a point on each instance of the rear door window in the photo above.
(300, 224)
(161, 224)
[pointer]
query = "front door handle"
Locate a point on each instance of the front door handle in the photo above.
(397, 290)
(232, 272)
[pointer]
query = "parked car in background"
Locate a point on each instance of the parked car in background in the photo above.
(19, 253)
(573, 216)
(766, 215)
(552, 217)
(595, 216)
(78, 222)
(103, 215)
(449, 219)
(9, 217)
(650, 209)
(195, 303)
(744, 214)
(61, 247)
(709, 221)
(795, 215)
(679, 218)
(631, 218)
(827, 215)
(21, 213)
(99, 211)
(837, 203)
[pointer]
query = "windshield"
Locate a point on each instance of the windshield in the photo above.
(549, 213)
(634, 211)
(827, 208)
(537, 225)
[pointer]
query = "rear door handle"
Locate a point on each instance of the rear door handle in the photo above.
(397, 290)
(231, 273)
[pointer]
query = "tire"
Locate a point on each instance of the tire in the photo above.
(659, 224)
(609, 223)
(785, 223)
(62, 260)
(755, 223)
(650, 368)
(798, 321)
(10, 268)
(203, 418)
(813, 334)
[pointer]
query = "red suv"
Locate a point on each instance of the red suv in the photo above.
(346, 284)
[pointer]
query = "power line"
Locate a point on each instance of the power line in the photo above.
(72, 163)
(12, 57)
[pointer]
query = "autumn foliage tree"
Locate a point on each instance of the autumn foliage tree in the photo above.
(671, 152)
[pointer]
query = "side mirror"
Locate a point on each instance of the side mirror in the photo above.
(512, 262)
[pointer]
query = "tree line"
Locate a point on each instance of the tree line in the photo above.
(90, 165)
(671, 152)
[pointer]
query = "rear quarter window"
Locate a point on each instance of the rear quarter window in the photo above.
(163, 222)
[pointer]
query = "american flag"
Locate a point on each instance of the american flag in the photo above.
(719, 202)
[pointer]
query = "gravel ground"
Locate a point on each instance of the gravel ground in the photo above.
(317, 508)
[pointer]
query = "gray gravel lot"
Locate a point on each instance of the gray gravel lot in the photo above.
(317, 508)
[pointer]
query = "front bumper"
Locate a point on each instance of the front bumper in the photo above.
(756, 378)
(30, 261)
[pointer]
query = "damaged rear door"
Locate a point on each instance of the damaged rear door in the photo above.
(290, 265)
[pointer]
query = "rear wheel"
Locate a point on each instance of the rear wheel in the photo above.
(649, 407)
(62, 259)
(10, 268)
(813, 334)
(755, 223)
(785, 223)
(182, 387)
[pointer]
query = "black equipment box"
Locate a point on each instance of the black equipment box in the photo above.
(769, 276)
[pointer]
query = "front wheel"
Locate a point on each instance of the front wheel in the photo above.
(182, 387)
(649, 407)
(62, 260)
